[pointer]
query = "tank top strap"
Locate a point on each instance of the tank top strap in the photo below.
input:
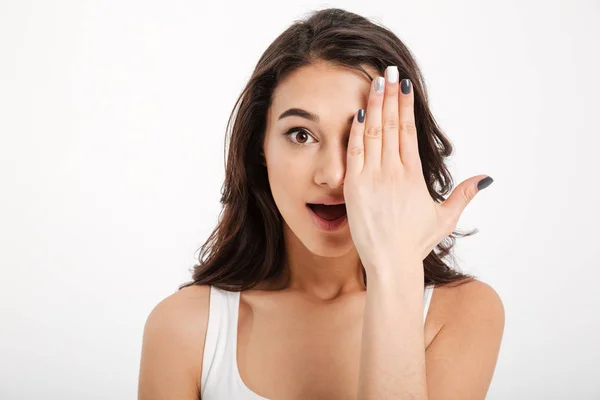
(219, 369)
(218, 342)
(427, 300)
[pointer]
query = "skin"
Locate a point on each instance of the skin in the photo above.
(300, 337)
(321, 266)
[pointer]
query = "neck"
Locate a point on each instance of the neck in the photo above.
(318, 276)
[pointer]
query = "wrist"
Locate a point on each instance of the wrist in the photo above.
(404, 268)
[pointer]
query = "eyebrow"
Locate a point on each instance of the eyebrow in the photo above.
(307, 115)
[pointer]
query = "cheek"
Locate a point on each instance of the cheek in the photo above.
(289, 168)
(290, 180)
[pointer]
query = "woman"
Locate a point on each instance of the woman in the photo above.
(335, 112)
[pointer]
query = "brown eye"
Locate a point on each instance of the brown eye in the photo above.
(300, 134)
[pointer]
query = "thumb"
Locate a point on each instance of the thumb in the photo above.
(462, 195)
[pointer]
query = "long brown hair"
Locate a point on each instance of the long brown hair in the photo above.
(247, 247)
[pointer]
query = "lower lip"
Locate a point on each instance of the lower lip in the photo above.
(328, 225)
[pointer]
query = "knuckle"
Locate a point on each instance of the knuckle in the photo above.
(373, 131)
(468, 195)
(391, 124)
(356, 150)
(408, 127)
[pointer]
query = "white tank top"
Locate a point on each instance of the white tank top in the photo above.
(220, 376)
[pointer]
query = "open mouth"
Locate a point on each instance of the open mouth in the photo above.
(328, 213)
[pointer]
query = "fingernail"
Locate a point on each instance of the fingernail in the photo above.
(485, 182)
(361, 115)
(405, 85)
(392, 73)
(379, 84)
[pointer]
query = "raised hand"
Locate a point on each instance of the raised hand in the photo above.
(392, 217)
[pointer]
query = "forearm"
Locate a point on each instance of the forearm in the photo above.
(392, 362)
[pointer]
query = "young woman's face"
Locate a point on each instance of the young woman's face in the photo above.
(306, 159)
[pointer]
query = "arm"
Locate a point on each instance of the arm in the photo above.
(392, 361)
(173, 346)
(460, 360)
(391, 212)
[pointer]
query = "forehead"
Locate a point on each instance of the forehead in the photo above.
(323, 89)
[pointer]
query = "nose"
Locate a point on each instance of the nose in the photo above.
(331, 168)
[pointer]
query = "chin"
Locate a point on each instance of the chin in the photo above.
(326, 244)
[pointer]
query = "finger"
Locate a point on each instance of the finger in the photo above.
(409, 146)
(390, 152)
(373, 128)
(461, 196)
(356, 145)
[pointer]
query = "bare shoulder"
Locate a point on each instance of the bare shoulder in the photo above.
(173, 345)
(461, 359)
(478, 298)
(463, 298)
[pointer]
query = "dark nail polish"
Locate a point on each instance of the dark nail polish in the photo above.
(361, 115)
(405, 86)
(485, 182)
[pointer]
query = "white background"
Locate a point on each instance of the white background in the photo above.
(112, 126)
